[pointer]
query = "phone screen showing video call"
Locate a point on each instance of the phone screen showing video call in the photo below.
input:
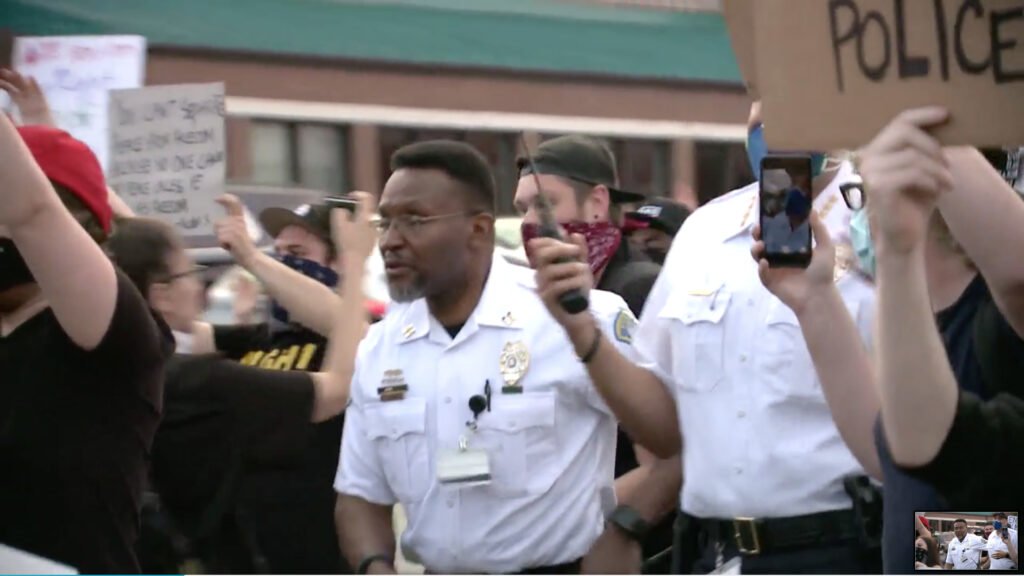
(786, 205)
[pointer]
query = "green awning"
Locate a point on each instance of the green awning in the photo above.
(520, 35)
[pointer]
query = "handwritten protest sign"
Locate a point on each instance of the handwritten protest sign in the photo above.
(832, 73)
(739, 14)
(76, 72)
(167, 153)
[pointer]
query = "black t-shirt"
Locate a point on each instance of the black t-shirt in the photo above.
(988, 429)
(290, 508)
(956, 325)
(930, 487)
(75, 432)
(219, 414)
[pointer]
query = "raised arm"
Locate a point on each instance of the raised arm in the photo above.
(121, 210)
(986, 215)
(904, 176)
(303, 297)
(75, 276)
(837, 351)
(637, 397)
(359, 237)
(28, 97)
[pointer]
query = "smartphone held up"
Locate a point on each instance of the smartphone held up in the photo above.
(786, 203)
(341, 202)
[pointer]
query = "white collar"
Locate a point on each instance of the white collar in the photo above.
(494, 309)
(184, 342)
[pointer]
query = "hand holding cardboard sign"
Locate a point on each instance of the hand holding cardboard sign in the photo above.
(26, 94)
(904, 171)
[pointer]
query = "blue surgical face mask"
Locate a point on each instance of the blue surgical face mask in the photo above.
(321, 274)
(757, 149)
(860, 239)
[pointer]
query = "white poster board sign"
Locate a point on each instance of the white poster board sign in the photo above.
(14, 561)
(1012, 521)
(76, 72)
(167, 153)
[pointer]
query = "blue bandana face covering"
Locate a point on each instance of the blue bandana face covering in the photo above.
(309, 268)
(757, 149)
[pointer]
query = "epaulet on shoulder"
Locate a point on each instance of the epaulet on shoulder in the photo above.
(734, 195)
(376, 330)
(524, 276)
(606, 303)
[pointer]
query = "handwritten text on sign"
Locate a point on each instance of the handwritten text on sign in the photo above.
(167, 153)
(833, 77)
(76, 72)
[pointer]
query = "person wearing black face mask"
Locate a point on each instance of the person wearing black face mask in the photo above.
(660, 219)
(81, 361)
(290, 511)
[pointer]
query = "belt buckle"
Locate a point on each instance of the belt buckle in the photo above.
(739, 524)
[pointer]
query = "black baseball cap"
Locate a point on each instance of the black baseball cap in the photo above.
(662, 214)
(580, 158)
(314, 218)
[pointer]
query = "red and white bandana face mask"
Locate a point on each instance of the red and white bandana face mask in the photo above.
(603, 239)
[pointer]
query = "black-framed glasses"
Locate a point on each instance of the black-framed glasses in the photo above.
(853, 195)
(406, 225)
(1006, 161)
(194, 270)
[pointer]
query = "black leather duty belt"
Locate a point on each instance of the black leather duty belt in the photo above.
(761, 535)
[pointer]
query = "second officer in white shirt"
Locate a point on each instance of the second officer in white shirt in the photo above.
(763, 463)
(469, 406)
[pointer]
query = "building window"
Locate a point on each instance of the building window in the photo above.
(309, 155)
(721, 168)
(271, 153)
(498, 147)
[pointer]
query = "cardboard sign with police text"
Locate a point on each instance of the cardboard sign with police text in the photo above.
(739, 15)
(833, 73)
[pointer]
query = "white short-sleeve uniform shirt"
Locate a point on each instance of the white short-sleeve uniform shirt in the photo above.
(551, 447)
(759, 439)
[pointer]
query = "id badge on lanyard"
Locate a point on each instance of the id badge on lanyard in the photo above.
(466, 465)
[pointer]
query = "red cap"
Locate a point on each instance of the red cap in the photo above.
(70, 163)
(376, 308)
(925, 522)
(633, 224)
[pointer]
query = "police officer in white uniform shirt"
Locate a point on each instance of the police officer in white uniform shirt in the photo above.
(1005, 548)
(469, 406)
(964, 549)
(720, 359)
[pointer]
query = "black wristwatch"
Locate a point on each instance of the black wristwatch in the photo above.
(630, 522)
(366, 562)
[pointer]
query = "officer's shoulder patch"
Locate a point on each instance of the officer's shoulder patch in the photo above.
(623, 326)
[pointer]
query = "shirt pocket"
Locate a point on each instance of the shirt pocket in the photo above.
(521, 443)
(785, 362)
(398, 432)
(698, 339)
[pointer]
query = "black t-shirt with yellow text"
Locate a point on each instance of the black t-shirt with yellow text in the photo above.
(291, 509)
